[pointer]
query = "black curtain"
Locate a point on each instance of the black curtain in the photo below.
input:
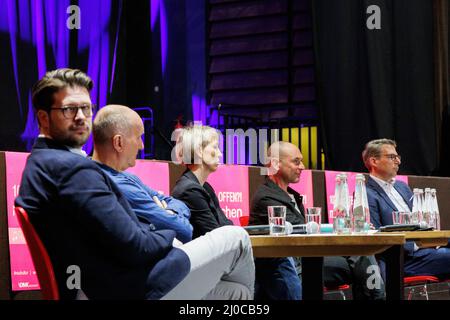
(376, 83)
(442, 11)
(34, 38)
(161, 65)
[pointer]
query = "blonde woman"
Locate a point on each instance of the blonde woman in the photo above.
(198, 149)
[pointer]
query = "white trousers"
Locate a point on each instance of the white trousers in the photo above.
(222, 267)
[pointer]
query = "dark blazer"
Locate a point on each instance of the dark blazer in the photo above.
(206, 214)
(84, 220)
(270, 194)
(381, 206)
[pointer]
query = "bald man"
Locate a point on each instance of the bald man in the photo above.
(118, 134)
(221, 261)
(285, 168)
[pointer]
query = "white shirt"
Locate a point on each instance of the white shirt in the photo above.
(295, 202)
(394, 196)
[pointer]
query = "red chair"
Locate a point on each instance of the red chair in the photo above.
(244, 220)
(339, 289)
(421, 282)
(39, 255)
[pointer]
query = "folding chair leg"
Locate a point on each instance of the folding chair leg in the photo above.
(425, 290)
(410, 293)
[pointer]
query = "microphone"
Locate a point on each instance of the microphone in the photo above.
(309, 228)
(423, 225)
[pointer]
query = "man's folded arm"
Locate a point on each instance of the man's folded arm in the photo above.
(142, 203)
(173, 204)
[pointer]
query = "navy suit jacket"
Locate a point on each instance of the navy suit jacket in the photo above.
(83, 220)
(206, 214)
(381, 206)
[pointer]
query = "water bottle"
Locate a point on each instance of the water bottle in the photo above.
(342, 223)
(417, 206)
(336, 213)
(435, 209)
(421, 206)
(361, 213)
(335, 199)
(427, 212)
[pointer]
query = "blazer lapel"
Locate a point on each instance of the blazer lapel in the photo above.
(375, 186)
(404, 194)
(191, 176)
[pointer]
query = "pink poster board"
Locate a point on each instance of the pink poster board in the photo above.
(330, 178)
(305, 188)
(231, 186)
(154, 174)
(23, 273)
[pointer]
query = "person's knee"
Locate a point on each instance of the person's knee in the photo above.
(237, 231)
(227, 290)
(235, 234)
(443, 254)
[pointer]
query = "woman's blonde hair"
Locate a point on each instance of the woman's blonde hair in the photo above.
(191, 140)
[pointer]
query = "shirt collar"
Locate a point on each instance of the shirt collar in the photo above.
(79, 151)
(382, 182)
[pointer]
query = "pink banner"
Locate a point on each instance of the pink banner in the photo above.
(23, 274)
(305, 188)
(330, 179)
(154, 174)
(231, 186)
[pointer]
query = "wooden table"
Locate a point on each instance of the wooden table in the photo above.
(312, 249)
(425, 239)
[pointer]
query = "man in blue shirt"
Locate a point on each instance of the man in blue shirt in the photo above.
(118, 134)
(116, 146)
(150, 206)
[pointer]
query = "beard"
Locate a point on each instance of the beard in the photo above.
(70, 137)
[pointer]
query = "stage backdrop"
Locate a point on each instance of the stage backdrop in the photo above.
(231, 186)
(23, 274)
(153, 174)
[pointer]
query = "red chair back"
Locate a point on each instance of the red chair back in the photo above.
(417, 280)
(338, 288)
(39, 255)
(244, 220)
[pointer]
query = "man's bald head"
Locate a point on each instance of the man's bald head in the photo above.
(281, 149)
(118, 134)
(285, 163)
(111, 120)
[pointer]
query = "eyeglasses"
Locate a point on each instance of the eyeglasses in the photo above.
(393, 156)
(70, 112)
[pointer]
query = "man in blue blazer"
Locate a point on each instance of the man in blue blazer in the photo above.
(386, 195)
(85, 222)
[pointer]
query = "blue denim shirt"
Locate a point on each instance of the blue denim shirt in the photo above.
(141, 200)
